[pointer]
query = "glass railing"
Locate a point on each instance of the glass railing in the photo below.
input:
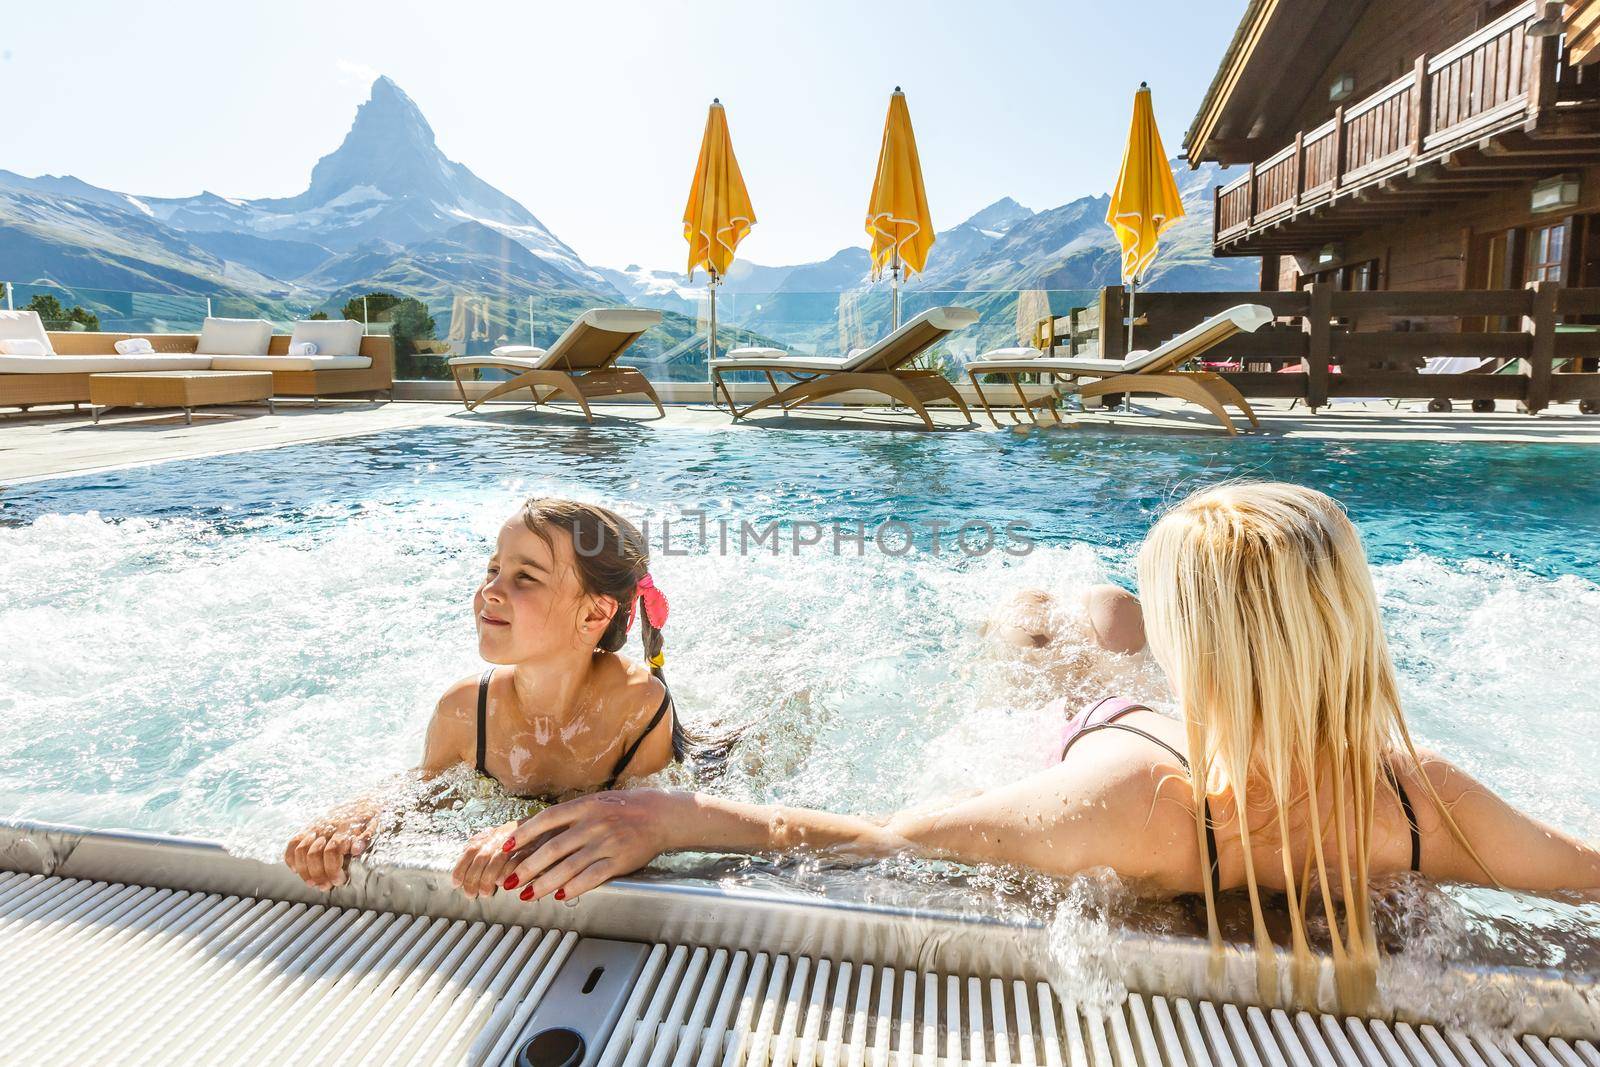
(428, 330)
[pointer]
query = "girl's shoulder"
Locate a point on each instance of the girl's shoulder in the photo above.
(460, 700)
(453, 730)
(627, 680)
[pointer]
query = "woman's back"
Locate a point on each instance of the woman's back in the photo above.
(1535, 856)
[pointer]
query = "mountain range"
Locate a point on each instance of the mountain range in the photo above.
(388, 210)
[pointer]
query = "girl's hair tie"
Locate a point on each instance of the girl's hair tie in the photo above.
(654, 601)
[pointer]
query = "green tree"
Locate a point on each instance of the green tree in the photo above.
(54, 315)
(408, 318)
(48, 307)
(317, 316)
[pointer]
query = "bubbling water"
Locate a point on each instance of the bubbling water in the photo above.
(232, 672)
(167, 675)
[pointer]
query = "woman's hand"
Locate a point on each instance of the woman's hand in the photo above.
(589, 841)
(317, 853)
(485, 862)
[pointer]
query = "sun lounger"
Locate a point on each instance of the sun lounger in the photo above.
(1155, 371)
(880, 368)
(580, 365)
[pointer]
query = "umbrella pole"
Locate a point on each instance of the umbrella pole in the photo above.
(894, 312)
(711, 339)
(894, 306)
(1133, 292)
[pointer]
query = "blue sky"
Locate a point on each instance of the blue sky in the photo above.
(590, 113)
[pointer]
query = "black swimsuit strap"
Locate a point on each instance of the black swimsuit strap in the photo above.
(1411, 818)
(483, 717)
(627, 755)
(1213, 860)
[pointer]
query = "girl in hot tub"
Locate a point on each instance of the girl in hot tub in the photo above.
(559, 711)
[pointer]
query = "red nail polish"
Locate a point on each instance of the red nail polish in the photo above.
(526, 894)
(561, 894)
(510, 845)
(510, 882)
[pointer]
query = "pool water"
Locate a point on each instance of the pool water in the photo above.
(224, 647)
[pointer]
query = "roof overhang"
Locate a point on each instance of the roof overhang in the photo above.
(1279, 49)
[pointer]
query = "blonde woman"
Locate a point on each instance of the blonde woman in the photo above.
(1290, 767)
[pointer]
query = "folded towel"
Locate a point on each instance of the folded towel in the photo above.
(518, 351)
(303, 348)
(1011, 353)
(134, 346)
(756, 353)
(22, 346)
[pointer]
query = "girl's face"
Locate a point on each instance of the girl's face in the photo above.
(531, 604)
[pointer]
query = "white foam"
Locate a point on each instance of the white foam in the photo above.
(233, 680)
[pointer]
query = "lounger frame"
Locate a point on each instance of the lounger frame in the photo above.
(1156, 374)
(578, 386)
(1205, 389)
(885, 374)
(585, 369)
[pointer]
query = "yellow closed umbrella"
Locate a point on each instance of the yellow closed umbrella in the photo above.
(1145, 203)
(718, 215)
(898, 221)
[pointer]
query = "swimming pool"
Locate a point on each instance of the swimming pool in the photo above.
(223, 647)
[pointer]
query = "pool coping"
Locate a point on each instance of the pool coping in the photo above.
(1520, 999)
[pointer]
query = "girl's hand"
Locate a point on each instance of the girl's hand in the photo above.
(589, 841)
(317, 853)
(485, 862)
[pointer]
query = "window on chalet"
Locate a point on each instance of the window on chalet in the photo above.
(1547, 253)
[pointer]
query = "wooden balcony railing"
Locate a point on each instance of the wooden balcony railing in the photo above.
(1497, 74)
(1373, 344)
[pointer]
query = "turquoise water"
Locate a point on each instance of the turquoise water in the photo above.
(222, 647)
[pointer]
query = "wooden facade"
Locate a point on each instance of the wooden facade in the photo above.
(1409, 157)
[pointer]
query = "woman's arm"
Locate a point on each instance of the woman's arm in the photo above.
(1108, 811)
(1521, 852)
(318, 853)
(585, 842)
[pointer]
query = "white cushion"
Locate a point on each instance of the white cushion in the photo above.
(290, 362)
(24, 326)
(501, 362)
(99, 364)
(134, 346)
(333, 337)
(22, 346)
(805, 363)
(235, 337)
(1012, 353)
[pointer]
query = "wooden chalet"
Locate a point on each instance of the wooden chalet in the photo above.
(1421, 180)
(1409, 144)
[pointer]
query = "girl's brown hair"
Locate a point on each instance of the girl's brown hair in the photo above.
(612, 558)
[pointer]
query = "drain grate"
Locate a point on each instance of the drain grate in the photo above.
(160, 976)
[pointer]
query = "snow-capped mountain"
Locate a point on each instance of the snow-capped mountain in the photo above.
(387, 181)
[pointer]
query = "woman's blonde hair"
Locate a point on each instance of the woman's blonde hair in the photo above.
(1259, 606)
